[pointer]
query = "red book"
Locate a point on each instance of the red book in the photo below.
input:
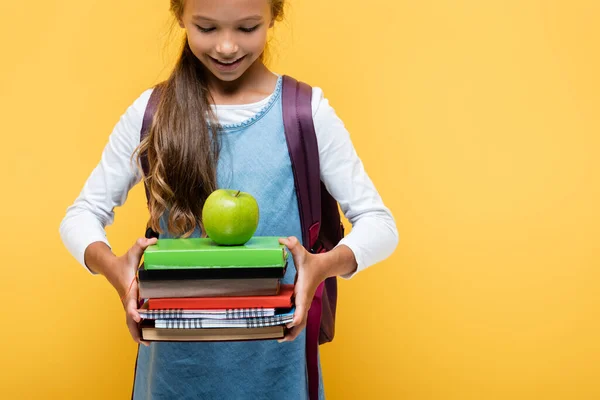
(281, 300)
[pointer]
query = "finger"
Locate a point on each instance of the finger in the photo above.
(131, 309)
(133, 329)
(299, 317)
(302, 304)
(133, 325)
(137, 250)
(292, 334)
(131, 305)
(134, 316)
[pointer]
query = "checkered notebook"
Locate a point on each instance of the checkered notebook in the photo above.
(232, 313)
(198, 323)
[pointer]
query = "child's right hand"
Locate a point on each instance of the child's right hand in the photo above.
(128, 285)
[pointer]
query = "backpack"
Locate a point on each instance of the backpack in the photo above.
(319, 215)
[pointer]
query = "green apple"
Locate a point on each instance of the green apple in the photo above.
(230, 217)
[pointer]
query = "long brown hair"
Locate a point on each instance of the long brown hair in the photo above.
(182, 144)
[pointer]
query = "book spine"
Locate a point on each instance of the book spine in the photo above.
(233, 313)
(217, 303)
(193, 259)
(210, 335)
(209, 288)
(282, 300)
(171, 273)
(207, 323)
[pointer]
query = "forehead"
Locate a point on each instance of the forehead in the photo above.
(227, 10)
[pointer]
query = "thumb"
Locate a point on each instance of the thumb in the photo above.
(137, 250)
(297, 250)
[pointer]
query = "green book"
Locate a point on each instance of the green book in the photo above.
(195, 253)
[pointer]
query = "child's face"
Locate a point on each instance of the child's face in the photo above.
(227, 36)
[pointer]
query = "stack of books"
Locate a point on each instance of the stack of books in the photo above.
(196, 290)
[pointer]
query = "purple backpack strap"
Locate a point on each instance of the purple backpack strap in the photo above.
(304, 154)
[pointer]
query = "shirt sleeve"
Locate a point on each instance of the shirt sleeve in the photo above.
(107, 186)
(374, 235)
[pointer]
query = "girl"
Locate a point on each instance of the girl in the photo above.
(219, 124)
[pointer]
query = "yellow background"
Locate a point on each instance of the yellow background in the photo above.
(478, 122)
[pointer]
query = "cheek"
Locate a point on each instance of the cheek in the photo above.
(198, 46)
(258, 43)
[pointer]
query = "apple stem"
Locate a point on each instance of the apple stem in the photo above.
(237, 194)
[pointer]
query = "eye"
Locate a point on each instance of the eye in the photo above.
(204, 30)
(248, 30)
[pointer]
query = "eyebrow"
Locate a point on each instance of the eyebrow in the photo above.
(252, 17)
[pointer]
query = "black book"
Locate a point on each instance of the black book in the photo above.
(211, 273)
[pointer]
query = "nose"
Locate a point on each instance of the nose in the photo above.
(226, 46)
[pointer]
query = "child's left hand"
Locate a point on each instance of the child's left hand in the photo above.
(310, 272)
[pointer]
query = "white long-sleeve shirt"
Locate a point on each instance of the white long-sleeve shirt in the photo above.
(373, 236)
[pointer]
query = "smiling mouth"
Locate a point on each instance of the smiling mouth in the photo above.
(225, 64)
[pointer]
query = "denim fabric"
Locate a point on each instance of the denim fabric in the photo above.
(254, 159)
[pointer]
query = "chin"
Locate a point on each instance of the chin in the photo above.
(227, 77)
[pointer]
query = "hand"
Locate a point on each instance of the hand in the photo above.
(310, 272)
(128, 286)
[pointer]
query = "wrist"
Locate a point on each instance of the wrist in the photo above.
(338, 261)
(100, 259)
(116, 274)
(125, 276)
